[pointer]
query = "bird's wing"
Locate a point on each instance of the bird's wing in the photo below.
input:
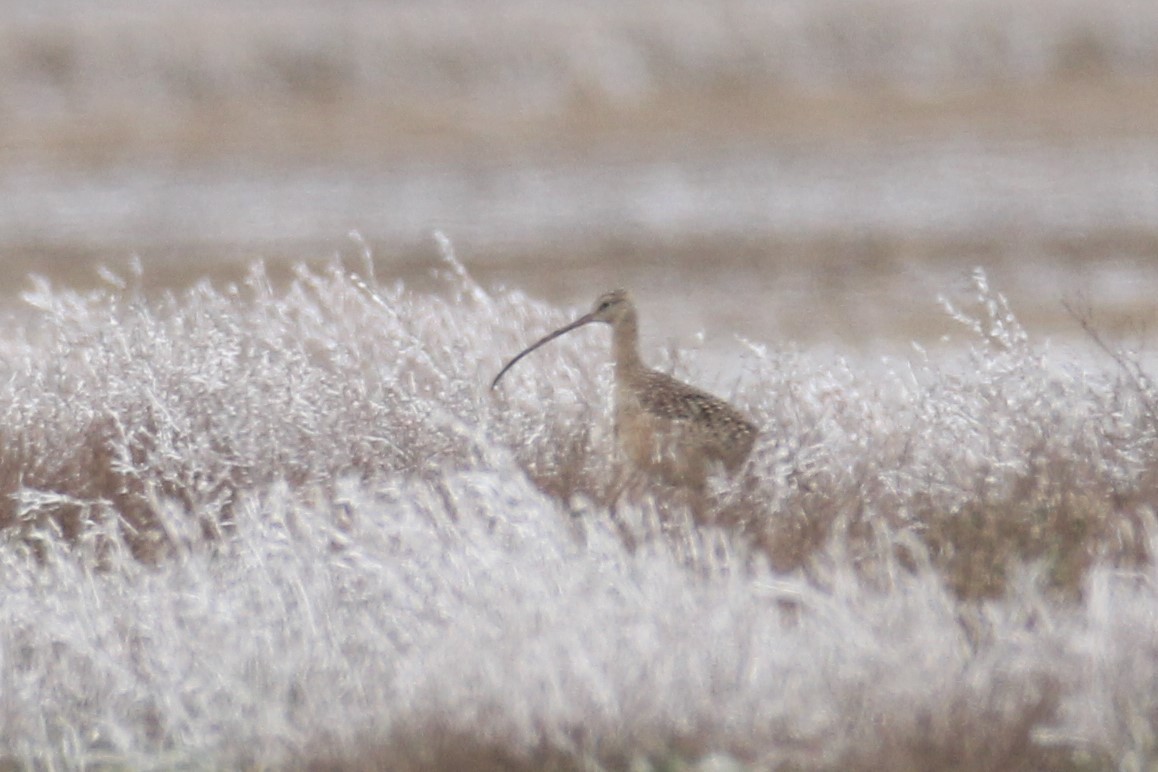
(664, 396)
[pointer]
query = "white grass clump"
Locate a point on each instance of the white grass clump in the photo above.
(292, 526)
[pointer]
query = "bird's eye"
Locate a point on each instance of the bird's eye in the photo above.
(606, 304)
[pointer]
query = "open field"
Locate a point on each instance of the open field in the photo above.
(827, 166)
(260, 509)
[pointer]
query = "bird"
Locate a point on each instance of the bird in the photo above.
(667, 429)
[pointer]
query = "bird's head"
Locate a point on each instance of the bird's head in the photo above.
(611, 307)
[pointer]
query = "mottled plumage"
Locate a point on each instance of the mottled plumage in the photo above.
(667, 429)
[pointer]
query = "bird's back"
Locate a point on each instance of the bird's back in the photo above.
(676, 430)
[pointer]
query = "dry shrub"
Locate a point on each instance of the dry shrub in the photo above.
(294, 526)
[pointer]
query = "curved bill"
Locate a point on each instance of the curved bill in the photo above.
(577, 323)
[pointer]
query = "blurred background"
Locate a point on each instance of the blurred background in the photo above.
(814, 171)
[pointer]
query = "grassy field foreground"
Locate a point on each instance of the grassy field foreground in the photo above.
(292, 526)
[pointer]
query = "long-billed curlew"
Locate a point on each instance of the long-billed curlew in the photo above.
(666, 428)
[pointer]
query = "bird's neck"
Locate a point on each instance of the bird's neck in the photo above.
(625, 345)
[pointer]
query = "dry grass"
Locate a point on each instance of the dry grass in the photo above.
(307, 81)
(256, 525)
(284, 523)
